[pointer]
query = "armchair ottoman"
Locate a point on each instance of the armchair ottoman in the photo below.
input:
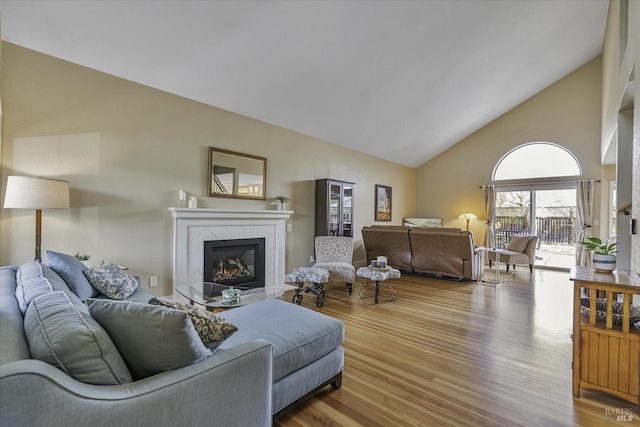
(316, 276)
(307, 352)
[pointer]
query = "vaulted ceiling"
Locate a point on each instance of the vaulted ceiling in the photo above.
(401, 80)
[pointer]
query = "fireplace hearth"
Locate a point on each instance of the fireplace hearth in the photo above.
(235, 262)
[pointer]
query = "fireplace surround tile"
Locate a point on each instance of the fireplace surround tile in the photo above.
(192, 227)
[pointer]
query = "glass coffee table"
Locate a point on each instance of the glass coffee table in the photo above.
(209, 294)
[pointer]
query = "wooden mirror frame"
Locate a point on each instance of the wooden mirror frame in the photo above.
(233, 165)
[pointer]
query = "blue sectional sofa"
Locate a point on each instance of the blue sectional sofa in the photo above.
(280, 354)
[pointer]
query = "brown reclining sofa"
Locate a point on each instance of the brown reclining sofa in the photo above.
(441, 251)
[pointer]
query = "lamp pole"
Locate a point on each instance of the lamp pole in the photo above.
(38, 234)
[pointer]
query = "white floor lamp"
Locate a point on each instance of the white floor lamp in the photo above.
(24, 192)
(467, 217)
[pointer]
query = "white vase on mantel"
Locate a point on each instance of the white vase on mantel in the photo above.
(604, 263)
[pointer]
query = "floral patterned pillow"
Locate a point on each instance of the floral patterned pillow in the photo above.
(212, 330)
(112, 281)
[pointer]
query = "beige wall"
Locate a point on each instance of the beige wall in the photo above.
(620, 68)
(566, 113)
(127, 149)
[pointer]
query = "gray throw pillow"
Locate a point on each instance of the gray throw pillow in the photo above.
(212, 330)
(150, 338)
(63, 336)
(34, 279)
(70, 269)
(112, 281)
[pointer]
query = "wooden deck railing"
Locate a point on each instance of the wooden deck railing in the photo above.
(552, 230)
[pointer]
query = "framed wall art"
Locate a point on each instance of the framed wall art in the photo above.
(383, 203)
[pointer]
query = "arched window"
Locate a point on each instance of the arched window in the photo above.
(536, 160)
(545, 207)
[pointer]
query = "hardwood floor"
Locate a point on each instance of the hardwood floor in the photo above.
(458, 354)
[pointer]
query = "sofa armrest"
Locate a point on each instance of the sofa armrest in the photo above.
(231, 388)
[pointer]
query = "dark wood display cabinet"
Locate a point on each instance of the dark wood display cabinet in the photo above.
(334, 208)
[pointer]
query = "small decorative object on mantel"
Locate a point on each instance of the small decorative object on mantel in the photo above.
(193, 202)
(182, 199)
(282, 202)
(604, 258)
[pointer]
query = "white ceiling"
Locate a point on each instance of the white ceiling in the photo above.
(402, 80)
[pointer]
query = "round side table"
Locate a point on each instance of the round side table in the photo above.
(378, 275)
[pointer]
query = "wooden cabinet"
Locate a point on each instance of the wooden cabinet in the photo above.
(334, 208)
(606, 356)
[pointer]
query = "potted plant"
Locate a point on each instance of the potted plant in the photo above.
(282, 202)
(82, 257)
(604, 258)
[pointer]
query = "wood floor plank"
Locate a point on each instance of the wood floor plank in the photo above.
(458, 354)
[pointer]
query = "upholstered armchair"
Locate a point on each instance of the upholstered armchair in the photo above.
(521, 249)
(336, 255)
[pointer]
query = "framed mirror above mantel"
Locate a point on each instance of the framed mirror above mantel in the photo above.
(236, 175)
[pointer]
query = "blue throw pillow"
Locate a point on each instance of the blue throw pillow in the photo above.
(70, 269)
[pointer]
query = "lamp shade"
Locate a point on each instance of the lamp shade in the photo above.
(24, 192)
(467, 216)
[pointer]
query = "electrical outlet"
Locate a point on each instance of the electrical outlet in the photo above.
(153, 281)
(289, 228)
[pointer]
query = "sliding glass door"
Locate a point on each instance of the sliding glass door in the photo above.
(548, 211)
(513, 215)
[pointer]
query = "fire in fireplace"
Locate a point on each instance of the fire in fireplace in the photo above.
(235, 262)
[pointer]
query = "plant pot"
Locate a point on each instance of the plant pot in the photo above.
(604, 263)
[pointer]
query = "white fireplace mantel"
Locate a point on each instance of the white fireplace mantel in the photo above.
(192, 227)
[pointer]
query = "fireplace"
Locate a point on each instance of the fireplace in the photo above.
(235, 262)
(193, 227)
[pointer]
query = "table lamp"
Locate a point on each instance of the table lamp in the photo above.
(467, 216)
(24, 192)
